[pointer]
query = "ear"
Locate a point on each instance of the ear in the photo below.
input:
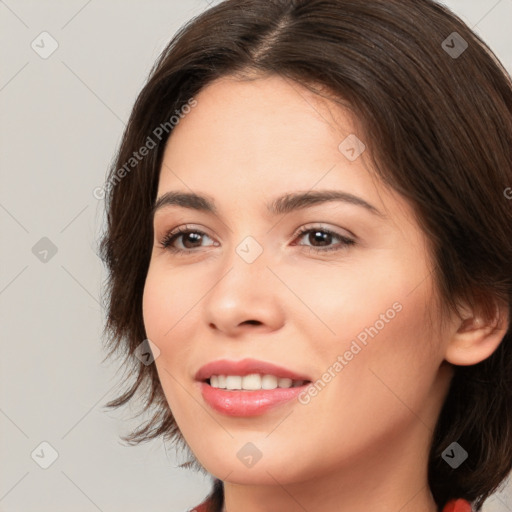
(474, 338)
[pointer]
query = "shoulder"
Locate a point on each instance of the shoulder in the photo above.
(458, 505)
(207, 505)
(214, 501)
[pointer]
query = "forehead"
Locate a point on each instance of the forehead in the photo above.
(251, 127)
(258, 138)
(267, 112)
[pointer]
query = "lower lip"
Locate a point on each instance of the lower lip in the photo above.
(247, 403)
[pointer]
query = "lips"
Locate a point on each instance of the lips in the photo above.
(246, 367)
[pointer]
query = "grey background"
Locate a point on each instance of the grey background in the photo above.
(62, 119)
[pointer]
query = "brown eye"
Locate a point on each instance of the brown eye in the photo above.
(190, 240)
(324, 237)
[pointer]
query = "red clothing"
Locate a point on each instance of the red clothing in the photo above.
(458, 505)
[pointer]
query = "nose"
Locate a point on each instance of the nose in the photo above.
(245, 296)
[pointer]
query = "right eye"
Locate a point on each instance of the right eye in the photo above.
(185, 235)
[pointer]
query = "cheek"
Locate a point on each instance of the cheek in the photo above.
(392, 375)
(377, 314)
(163, 305)
(167, 300)
(154, 305)
(385, 387)
(171, 315)
(345, 299)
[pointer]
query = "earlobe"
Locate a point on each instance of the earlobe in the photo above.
(475, 338)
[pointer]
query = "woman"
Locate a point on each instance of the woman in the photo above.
(309, 241)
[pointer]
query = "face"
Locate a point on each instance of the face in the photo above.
(331, 290)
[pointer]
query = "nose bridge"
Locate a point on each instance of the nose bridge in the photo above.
(244, 267)
(244, 290)
(249, 241)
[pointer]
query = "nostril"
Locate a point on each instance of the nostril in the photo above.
(252, 322)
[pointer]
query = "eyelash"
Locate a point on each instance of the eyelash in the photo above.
(170, 237)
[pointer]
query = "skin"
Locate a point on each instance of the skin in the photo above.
(362, 443)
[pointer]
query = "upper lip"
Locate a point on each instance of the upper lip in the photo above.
(246, 367)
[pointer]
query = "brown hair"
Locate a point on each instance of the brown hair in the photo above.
(438, 124)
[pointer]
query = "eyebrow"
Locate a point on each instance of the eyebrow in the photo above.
(278, 206)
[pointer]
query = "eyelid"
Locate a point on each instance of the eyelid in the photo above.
(179, 228)
(321, 226)
(296, 232)
(166, 242)
(184, 229)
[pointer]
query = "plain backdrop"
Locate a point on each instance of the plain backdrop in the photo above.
(61, 121)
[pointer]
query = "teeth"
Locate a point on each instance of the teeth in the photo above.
(252, 382)
(233, 382)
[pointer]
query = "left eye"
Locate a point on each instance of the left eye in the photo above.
(324, 236)
(315, 235)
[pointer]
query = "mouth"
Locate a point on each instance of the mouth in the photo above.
(254, 372)
(245, 402)
(253, 382)
(248, 387)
